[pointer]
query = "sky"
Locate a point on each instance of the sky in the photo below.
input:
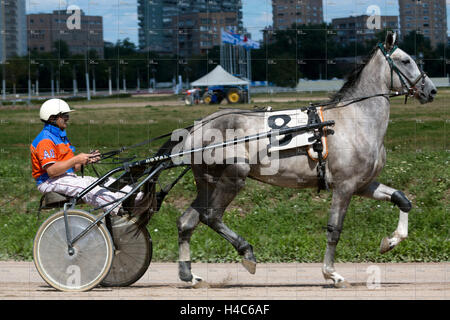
(120, 16)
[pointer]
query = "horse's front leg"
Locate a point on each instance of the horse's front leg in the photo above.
(379, 191)
(339, 205)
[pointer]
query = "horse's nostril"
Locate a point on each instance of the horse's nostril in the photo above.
(433, 92)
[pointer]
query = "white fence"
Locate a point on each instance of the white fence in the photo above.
(335, 85)
(326, 85)
(319, 85)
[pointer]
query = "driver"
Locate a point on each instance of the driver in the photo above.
(54, 162)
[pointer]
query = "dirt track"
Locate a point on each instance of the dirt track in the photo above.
(20, 280)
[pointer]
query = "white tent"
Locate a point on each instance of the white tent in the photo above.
(219, 77)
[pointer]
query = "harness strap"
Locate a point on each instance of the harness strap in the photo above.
(313, 117)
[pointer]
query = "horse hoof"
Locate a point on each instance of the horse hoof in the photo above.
(249, 265)
(198, 282)
(342, 284)
(385, 245)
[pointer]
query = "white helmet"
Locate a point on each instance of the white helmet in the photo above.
(53, 107)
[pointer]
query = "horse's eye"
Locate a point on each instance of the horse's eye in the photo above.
(406, 61)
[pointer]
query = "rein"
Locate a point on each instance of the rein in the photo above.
(408, 91)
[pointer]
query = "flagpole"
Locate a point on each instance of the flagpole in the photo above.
(249, 74)
(231, 61)
(221, 47)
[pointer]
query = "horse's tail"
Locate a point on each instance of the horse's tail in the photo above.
(150, 188)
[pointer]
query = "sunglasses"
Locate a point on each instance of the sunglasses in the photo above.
(65, 116)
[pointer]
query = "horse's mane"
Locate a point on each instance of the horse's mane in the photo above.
(353, 77)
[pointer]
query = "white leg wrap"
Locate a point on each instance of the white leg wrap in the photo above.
(402, 228)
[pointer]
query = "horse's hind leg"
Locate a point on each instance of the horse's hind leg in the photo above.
(379, 191)
(215, 192)
(230, 182)
(186, 225)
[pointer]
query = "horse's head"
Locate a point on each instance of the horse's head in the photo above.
(404, 74)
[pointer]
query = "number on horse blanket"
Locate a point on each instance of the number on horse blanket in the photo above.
(290, 118)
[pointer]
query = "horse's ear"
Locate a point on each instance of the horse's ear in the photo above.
(389, 43)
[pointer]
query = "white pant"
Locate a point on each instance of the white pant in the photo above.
(71, 185)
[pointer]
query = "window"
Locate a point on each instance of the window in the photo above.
(205, 43)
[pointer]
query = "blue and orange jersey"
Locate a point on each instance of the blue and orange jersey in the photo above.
(51, 145)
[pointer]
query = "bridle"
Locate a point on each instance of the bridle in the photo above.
(410, 90)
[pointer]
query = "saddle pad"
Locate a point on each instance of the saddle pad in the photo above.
(292, 118)
(286, 119)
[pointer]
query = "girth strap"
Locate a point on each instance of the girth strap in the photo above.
(313, 117)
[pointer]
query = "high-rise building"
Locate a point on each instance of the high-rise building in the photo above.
(353, 29)
(200, 31)
(427, 17)
(159, 19)
(13, 32)
(44, 29)
(301, 12)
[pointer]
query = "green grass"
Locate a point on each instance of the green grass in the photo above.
(282, 224)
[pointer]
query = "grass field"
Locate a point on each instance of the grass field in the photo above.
(283, 225)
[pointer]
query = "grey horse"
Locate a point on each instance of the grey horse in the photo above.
(356, 156)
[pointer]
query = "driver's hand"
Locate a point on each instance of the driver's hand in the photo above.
(94, 156)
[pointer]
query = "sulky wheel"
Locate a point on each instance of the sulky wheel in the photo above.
(133, 253)
(90, 261)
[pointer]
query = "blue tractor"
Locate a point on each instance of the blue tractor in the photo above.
(233, 94)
